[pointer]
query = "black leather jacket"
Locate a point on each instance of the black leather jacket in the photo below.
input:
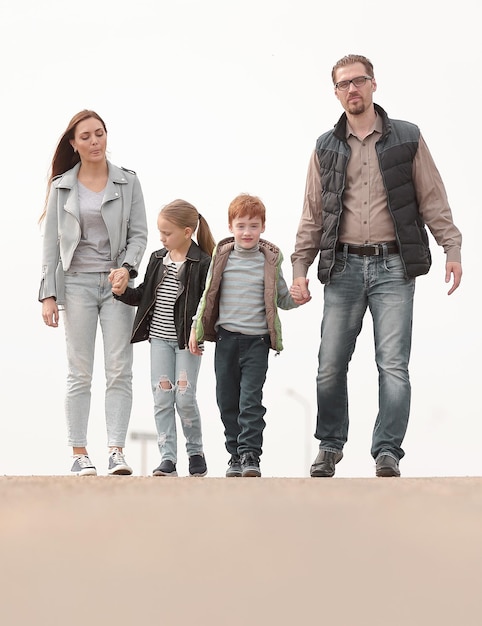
(192, 278)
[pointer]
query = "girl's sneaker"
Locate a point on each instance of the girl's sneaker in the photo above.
(166, 468)
(197, 465)
(83, 466)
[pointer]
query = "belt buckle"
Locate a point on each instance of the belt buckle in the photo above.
(372, 246)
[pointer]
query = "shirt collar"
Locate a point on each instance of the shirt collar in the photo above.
(377, 127)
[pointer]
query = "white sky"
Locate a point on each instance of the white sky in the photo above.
(207, 99)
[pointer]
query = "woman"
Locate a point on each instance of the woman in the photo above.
(94, 220)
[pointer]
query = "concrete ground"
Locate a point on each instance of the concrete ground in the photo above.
(135, 551)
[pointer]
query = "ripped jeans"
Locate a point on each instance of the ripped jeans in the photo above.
(174, 374)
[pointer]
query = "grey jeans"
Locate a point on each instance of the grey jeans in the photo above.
(88, 301)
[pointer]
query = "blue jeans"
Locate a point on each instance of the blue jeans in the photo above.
(241, 364)
(358, 282)
(88, 300)
(174, 374)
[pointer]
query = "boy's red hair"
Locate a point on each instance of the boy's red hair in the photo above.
(248, 206)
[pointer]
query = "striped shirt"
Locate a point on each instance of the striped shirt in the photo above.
(162, 323)
(243, 274)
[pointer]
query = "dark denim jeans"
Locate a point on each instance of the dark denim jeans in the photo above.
(358, 283)
(241, 364)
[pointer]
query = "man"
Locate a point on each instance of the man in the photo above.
(371, 188)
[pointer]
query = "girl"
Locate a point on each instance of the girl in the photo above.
(94, 220)
(167, 301)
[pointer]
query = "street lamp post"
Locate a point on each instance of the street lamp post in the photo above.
(143, 437)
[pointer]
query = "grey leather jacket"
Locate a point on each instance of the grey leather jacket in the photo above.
(122, 210)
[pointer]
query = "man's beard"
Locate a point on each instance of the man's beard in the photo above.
(356, 108)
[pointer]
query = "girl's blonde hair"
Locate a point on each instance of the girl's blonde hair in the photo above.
(185, 215)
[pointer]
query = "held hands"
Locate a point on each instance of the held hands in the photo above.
(453, 269)
(299, 290)
(50, 312)
(119, 278)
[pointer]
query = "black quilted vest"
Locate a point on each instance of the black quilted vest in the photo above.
(396, 150)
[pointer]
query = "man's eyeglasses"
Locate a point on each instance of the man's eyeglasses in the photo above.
(358, 81)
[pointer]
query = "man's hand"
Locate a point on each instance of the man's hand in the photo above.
(299, 290)
(453, 269)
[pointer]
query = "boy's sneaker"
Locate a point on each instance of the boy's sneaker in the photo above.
(83, 466)
(197, 465)
(166, 468)
(250, 464)
(117, 464)
(234, 467)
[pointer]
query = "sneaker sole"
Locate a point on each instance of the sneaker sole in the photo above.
(238, 474)
(120, 471)
(89, 471)
(174, 474)
(198, 474)
(251, 473)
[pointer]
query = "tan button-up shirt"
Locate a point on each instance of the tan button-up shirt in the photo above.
(365, 217)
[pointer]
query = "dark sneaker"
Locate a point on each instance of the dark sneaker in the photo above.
(234, 467)
(166, 468)
(324, 464)
(197, 465)
(250, 465)
(387, 466)
(117, 464)
(83, 466)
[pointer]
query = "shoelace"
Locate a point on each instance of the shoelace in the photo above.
(250, 460)
(84, 461)
(118, 457)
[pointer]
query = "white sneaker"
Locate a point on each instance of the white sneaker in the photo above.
(117, 464)
(83, 466)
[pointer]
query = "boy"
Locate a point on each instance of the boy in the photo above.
(238, 310)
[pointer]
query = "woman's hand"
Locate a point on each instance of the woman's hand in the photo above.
(120, 279)
(50, 312)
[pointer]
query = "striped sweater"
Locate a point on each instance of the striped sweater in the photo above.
(244, 289)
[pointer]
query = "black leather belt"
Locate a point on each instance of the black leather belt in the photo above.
(370, 249)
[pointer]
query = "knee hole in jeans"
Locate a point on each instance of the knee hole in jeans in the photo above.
(183, 383)
(165, 384)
